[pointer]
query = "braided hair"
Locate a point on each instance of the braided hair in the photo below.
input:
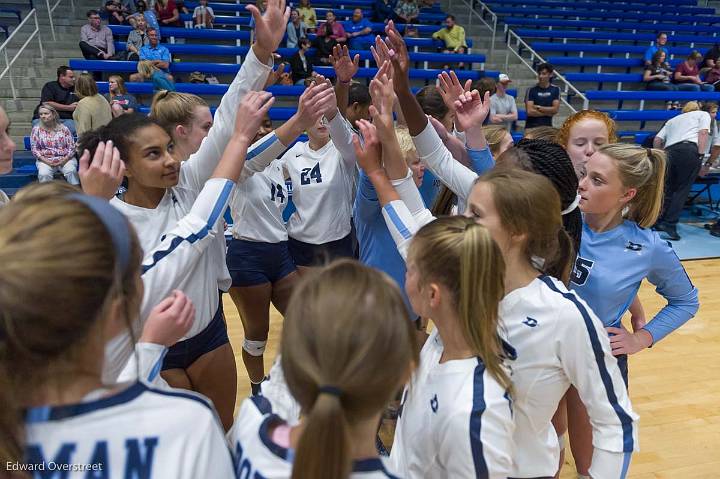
(552, 161)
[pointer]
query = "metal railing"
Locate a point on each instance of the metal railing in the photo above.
(535, 57)
(51, 10)
(32, 14)
(484, 9)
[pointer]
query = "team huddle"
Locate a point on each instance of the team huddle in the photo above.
(525, 273)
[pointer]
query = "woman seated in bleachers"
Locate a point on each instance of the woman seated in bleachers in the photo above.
(93, 110)
(53, 147)
(329, 34)
(687, 74)
(167, 13)
(658, 75)
(160, 80)
(307, 15)
(301, 63)
(121, 102)
(407, 11)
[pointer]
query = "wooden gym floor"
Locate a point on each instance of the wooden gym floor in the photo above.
(675, 386)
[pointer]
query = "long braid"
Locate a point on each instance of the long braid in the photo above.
(552, 161)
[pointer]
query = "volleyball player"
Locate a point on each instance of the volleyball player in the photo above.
(7, 147)
(621, 196)
(258, 257)
(341, 374)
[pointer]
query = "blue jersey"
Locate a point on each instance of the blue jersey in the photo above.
(377, 248)
(612, 264)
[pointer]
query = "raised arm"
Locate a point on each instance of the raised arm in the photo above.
(269, 32)
(345, 69)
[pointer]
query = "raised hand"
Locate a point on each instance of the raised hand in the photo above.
(314, 103)
(275, 75)
(251, 113)
(331, 106)
(470, 110)
(369, 152)
(169, 321)
(345, 67)
(450, 88)
(103, 176)
(270, 27)
(381, 111)
(400, 57)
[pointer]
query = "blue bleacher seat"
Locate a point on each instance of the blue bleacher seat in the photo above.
(607, 6)
(244, 18)
(614, 16)
(207, 34)
(609, 49)
(619, 25)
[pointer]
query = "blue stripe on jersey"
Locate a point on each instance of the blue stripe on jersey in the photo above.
(625, 419)
(158, 366)
(177, 241)
(478, 408)
(399, 225)
(626, 464)
(262, 404)
(56, 413)
(261, 147)
(371, 465)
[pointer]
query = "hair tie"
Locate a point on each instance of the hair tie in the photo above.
(649, 153)
(331, 390)
(572, 206)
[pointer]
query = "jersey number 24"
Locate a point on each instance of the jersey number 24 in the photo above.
(309, 174)
(582, 270)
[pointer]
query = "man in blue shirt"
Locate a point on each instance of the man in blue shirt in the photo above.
(156, 53)
(359, 31)
(660, 42)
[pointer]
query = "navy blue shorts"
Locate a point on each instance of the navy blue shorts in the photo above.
(182, 354)
(306, 254)
(251, 262)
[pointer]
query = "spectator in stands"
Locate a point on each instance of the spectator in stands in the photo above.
(454, 37)
(503, 109)
(53, 146)
(685, 139)
(307, 14)
(167, 13)
(657, 76)
(359, 31)
(300, 64)
(203, 16)
(96, 40)
(329, 34)
(148, 15)
(296, 29)
(687, 75)
(155, 53)
(660, 42)
(93, 110)
(407, 11)
(542, 101)
(147, 71)
(713, 76)
(261, 5)
(137, 39)
(384, 10)
(115, 13)
(121, 102)
(710, 59)
(60, 94)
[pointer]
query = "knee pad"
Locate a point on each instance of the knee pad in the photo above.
(254, 348)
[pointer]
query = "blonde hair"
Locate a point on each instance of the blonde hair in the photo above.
(120, 84)
(53, 112)
(53, 250)
(171, 108)
(642, 169)
(461, 255)
(547, 133)
(347, 345)
(495, 134)
(85, 86)
(691, 106)
(515, 190)
(146, 68)
(563, 135)
(405, 140)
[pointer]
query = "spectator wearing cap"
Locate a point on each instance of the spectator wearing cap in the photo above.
(359, 31)
(542, 101)
(503, 110)
(96, 40)
(453, 35)
(687, 75)
(660, 42)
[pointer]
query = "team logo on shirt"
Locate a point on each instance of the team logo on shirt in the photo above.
(434, 403)
(532, 322)
(633, 246)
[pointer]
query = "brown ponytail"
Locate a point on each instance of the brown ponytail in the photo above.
(347, 345)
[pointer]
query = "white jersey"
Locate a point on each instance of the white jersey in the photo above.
(137, 432)
(145, 365)
(175, 263)
(256, 455)
(455, 420)
(559, 341)
(258, 202)
(322, 186)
